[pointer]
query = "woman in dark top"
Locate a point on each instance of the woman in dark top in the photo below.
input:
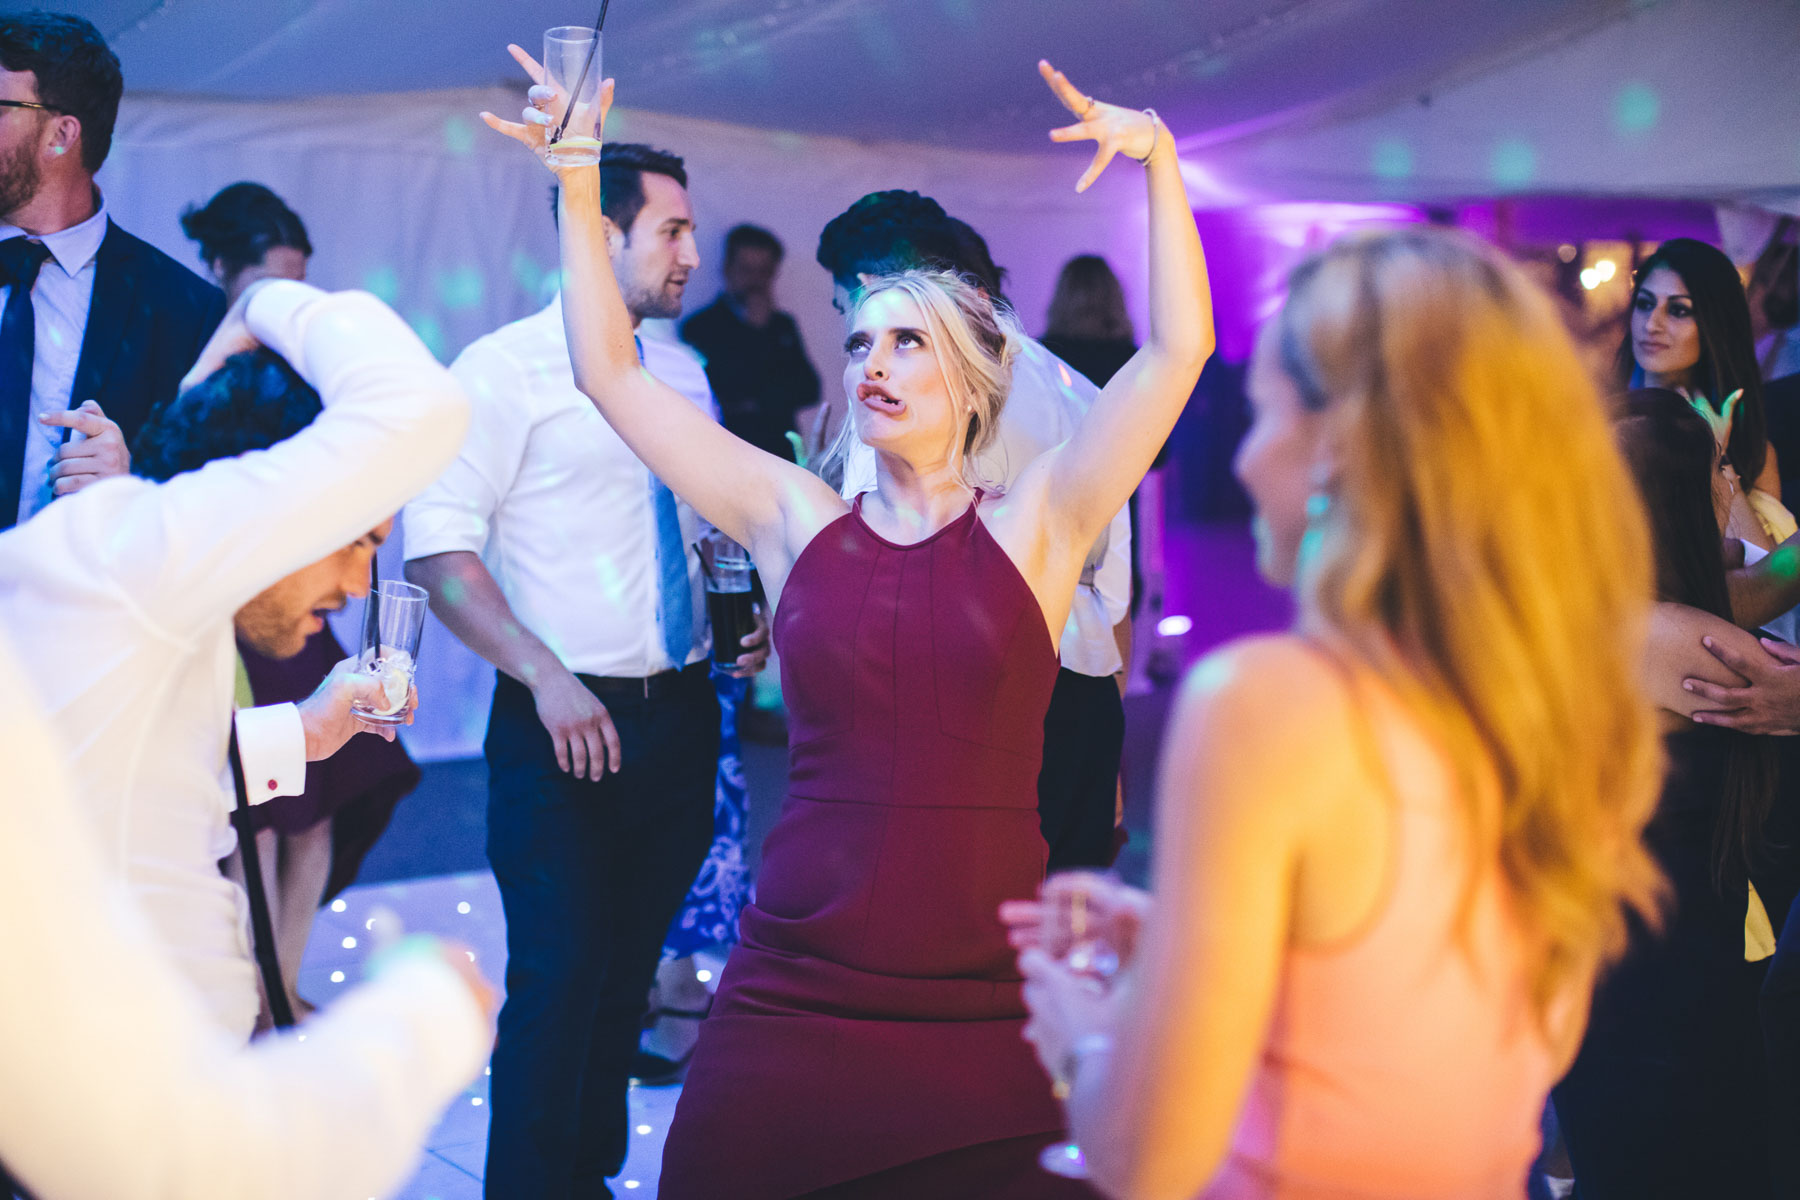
(1667, 1096)
(1088, 327)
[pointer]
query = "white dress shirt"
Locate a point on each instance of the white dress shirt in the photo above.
(118, 1083)
(59, 306)
(120, 600)
(557, 505)
(1044, 406)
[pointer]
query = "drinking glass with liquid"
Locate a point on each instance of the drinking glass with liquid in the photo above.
(728, 589)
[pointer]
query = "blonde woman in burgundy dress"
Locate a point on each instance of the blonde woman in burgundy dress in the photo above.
(865, 1041)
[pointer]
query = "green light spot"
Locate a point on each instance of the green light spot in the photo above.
(454, 591)
(1637, 109)
(1513, 164)
(525, 271)
(1784, 563)
(1210, 673)
(384, 282)
(460, 289)
(1391, 159)
(431, 332)
(459, 135)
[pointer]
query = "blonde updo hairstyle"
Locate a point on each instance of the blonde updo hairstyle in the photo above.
(1484, 550)
(975, 339)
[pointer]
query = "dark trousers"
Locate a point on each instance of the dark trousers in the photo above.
(1647, 1121)
(1780, 1012)
(590, 875)
(1084, 738)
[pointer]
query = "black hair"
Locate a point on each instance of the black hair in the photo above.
(1088, 302)
(1727, 351)
(1671, 453)
(241, 224)
(895, 231)
(255, 400)
(77, 73)
(623, 166)
(752, 237)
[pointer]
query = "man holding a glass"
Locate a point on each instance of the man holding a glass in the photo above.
(124, 601)
(555, 554)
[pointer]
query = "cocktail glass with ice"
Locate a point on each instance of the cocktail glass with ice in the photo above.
(390, 649)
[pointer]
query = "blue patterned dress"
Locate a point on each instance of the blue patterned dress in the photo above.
(709, 915)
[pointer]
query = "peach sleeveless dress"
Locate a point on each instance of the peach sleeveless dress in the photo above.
(1403, 1062)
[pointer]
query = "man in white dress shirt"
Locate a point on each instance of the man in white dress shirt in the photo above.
(123, 602)
(117, 1081)
(554, 554)
(1085, 727)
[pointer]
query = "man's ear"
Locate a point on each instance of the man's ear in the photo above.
(65, 136)
(615, 237)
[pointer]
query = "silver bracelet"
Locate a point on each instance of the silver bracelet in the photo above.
(1155, 132)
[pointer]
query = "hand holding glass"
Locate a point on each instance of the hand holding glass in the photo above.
(1072, 933)
(390, 648)
(728, 604)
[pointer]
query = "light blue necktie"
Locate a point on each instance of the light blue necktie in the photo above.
(677, 601)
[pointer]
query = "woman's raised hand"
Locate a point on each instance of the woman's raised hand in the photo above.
(1118, 130)
(548, 103)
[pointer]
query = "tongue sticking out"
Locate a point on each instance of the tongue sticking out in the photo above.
(868, 392)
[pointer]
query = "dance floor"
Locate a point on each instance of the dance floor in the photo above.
(429, 869)
(466, 908)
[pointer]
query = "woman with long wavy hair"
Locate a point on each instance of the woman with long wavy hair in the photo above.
(1668, 1096)
(1395, 844)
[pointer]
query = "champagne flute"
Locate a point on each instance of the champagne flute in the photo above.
(1073, 935)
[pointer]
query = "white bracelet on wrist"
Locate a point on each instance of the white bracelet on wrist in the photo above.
(1155, 135)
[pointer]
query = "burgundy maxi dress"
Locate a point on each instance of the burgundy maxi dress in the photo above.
(865, 1040)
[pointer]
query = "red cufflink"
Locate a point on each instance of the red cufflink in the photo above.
(272, 785)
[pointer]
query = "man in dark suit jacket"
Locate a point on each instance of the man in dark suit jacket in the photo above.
(98, 326)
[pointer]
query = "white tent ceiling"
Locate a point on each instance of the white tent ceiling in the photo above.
(943, 71)
(1363, 98)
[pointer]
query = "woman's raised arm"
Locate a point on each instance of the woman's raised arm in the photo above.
(1088, 478)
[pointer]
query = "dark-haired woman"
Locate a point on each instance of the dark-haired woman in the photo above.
(1690, 332)
(247, 233)
(1667, 1096)
(311, 844)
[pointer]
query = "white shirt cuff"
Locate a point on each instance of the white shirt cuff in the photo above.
(272, 745)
